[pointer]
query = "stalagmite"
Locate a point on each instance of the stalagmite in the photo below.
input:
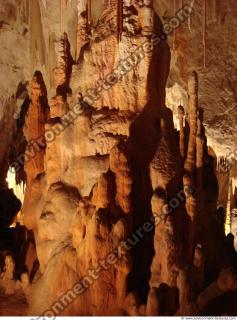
(192, 109)
(163, 267)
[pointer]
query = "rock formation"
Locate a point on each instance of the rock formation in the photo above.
(122, 205)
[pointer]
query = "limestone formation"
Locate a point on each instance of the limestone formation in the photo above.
(121, 192)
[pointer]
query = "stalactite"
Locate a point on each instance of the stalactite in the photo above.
(119, 19)
(204, 31)
(89, 13)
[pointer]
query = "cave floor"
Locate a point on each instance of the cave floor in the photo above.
(13, 305)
